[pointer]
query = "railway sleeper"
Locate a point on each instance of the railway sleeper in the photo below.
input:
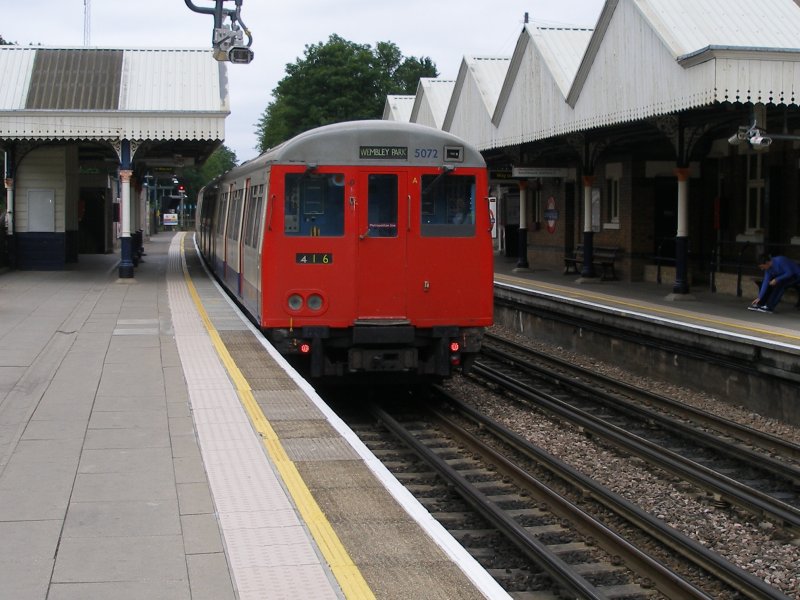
(472, 534)
(452, 517)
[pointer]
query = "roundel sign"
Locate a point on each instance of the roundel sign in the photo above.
(551, 215)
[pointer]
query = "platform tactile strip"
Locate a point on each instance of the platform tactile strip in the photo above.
(275, 559)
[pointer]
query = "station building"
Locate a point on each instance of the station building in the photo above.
(670, 133)
(91, 137)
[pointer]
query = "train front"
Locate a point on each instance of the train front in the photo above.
(377, 260)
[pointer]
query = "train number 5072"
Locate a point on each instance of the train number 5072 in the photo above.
(426, 153)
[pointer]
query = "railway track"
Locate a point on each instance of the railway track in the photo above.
(525, 530)
(732, 463)
(516, 529)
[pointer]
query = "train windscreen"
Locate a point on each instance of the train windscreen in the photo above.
(314, 204)
(448, 206)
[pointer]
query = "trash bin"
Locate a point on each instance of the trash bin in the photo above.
(512, 240)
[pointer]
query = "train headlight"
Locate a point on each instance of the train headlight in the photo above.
(295, 302)
(315, 302)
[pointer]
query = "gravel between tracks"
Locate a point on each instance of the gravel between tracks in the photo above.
(757, 546)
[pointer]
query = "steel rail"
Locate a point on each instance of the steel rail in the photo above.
(717, 422)
(726, 488)
(749, 585)
(533, 548)
(756, 460)
(666, 580)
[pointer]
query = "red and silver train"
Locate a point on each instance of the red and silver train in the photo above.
(359, 247)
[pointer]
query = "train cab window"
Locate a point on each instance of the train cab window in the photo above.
(448, 206)
(382, 206)
(314, 204)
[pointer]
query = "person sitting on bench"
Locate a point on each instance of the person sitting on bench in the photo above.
(779, 273)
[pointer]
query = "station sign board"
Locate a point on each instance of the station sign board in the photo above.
(537, 172)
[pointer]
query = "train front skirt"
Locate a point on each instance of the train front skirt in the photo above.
(370, 348)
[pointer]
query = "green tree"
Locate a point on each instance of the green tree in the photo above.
(194, 178)
(338, 81)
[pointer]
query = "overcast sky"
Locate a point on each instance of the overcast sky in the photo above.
(444, 30)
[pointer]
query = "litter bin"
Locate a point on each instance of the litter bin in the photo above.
(512, 240)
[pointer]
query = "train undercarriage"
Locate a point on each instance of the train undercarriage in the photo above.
(379, 349)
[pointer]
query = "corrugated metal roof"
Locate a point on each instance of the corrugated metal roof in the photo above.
(76, 93)
(489, 73)
(645, 58)
(433, 96)
(173, 80)
(473, 100)
(562, 50)
(75, 80)
(689, 25)
(16, 66)
(632, 69)
(398, 108)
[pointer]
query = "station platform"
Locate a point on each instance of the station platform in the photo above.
(701, 309)
(152, 445)
(709, 342)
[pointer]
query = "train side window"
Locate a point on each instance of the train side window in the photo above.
(314, 204)
(236, 216)
(382, 206)
(223, 214)
(448, 206)
(208, 210)
(252, 220)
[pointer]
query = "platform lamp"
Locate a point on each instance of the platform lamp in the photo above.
(181, 206)
(148, 181)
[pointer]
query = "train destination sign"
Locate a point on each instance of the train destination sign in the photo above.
(383, 152)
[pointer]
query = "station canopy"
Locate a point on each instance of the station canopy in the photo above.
(170, 104)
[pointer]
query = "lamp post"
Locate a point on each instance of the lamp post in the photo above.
(148, 181)
(181, 216)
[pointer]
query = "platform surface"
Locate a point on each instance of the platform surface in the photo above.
(700, 308)
(152, 447)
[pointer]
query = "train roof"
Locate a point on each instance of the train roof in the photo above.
(347, 143)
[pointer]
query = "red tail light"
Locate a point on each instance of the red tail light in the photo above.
(455, 346)
(305, 348)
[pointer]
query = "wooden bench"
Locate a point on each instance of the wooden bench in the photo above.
(602, 257)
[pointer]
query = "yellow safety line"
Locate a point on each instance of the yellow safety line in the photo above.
(344, 569)
(649, 307)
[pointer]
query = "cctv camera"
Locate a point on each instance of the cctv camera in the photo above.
(240, 55)
(759, 141)
(229, 46)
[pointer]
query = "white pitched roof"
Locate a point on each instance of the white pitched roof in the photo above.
(689, 25)
(474, 97)
(543, 67)
(644, 58)
(562, 50)
(751, 34)
(433, 96)
(398, 108)
(647, 58)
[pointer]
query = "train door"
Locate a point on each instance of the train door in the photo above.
(240, 266)
(381, 256)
